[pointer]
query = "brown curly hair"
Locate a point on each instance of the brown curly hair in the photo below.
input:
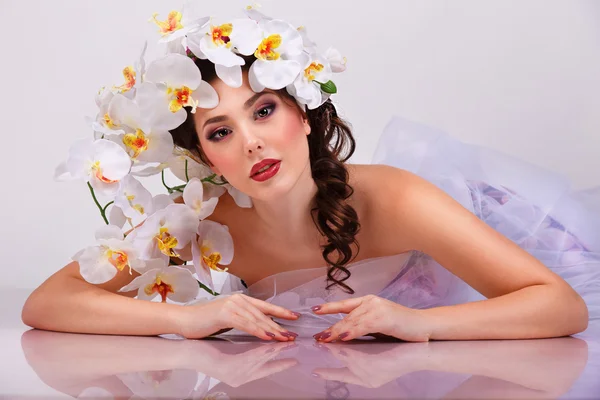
(330, 143)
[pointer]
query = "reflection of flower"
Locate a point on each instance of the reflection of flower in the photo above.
(171, 384)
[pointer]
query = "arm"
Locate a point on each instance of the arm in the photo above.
(66, 302)
(525, 298)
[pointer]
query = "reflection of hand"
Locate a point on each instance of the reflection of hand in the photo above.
(540, 368)
(73, 362)
(240, 367)
(366, 367)
(371, 313)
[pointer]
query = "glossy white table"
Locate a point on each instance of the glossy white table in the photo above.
(48, 365)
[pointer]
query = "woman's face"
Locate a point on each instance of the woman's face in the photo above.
(247, 127)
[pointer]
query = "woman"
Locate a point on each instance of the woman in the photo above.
(382, 231)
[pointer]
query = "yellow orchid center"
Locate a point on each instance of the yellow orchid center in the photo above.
(166, 242)
(211, 259)
(182, 97)
(312, 69)
(129, 75)
(97, 170)
(221, 35)
(137, 142)
(265, 50)
(109, 122)
(137, 207)
(118, 259)
(171, 24)
(160, 287)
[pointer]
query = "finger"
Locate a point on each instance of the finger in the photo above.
(273, 326)
(243, 320)
(342, 306)
(272, 309)
(351, 327)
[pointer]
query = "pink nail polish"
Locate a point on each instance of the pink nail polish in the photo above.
(315, 308)
(297, 314)
(271, 334)
(343, 335)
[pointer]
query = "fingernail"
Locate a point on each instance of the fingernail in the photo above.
(315, 308)
(271, 334)
(289, 334)
(324, 336)
(297, 314)
(343, 335)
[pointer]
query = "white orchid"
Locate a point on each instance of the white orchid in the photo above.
(255, 15)
(177, 84)
(173, 283)
(164, 232)
(193, 197)
(100, 263)
(107, 122)
(219, 42)
(133, 75)
(213, 247)
(308, 44)
(101, 162)
(307, 87)
(178, 163)
(177, 25)
(276, 64)
(134, 200)
(141, 139)
(336, 60)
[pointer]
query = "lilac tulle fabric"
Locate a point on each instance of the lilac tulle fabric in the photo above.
(532, 206)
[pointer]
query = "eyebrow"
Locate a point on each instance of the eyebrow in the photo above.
(249, 103)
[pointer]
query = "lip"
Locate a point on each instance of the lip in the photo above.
(262, 163)
(268, 174)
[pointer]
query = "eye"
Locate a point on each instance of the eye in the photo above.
(265, 111)
(220, 133)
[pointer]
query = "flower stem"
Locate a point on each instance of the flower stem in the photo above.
(187, 178)
(162, 176)
(102, 210)
(202, 286)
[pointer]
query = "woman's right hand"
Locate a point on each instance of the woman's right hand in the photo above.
(237, 311)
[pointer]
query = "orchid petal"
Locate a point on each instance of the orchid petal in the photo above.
(206, 96)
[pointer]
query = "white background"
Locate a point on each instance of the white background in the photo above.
(519, 76)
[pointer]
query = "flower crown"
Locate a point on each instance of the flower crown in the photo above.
(131, 139)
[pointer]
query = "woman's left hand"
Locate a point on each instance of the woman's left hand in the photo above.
(371, 315)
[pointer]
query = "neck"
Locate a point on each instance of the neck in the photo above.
(289, 217)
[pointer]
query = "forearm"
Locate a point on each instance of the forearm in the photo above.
(538, 311)
(73, 305)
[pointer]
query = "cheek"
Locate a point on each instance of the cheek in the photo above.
(291, 130)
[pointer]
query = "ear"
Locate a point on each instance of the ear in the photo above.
(305, 124)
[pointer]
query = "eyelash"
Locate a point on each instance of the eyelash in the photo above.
(270, 107)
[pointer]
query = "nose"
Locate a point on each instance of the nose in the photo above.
(252, 143)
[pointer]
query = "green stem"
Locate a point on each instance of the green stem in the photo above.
(162, 176)
(106, 206)
(202, 286)
(102, 210)
(187, 178)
